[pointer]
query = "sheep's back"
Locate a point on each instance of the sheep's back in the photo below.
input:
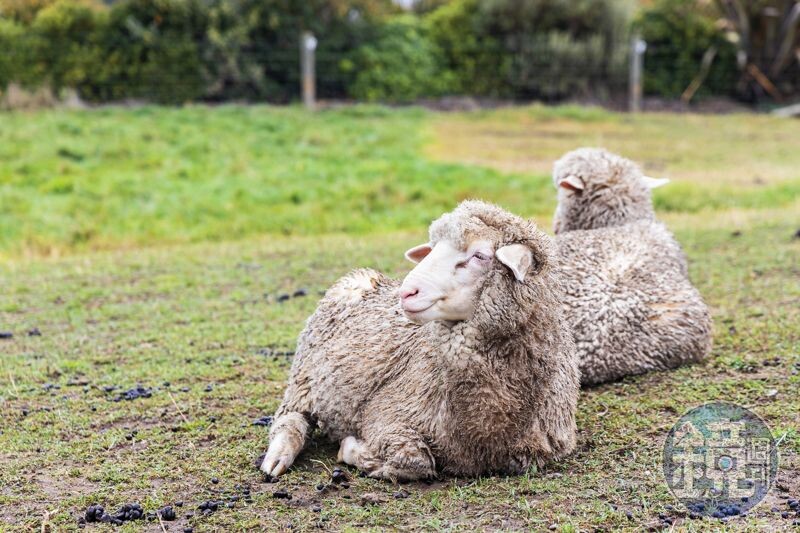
(630, 302)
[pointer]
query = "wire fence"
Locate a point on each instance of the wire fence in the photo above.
(265, 72)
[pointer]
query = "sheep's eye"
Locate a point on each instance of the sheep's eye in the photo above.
(477, 256)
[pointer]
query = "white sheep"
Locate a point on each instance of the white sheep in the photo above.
(628, 296)
(466, 368)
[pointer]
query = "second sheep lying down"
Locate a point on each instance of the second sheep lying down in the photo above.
(475, 373)
(628, 295)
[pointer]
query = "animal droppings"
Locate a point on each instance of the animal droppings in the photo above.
(133, 394)
(338, 476)
(264, 421)
(167, 513)
(282, 494)
(94, 513)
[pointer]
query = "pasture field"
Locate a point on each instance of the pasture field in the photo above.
(151, 246)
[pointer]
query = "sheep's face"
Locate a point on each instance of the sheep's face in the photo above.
(448, 279)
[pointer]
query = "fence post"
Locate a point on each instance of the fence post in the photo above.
(308, 43)
(638, 47)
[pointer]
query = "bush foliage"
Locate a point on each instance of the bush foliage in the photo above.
(174, 51)
(401, 65)
(678, 34)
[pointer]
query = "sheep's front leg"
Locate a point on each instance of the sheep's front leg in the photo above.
(404, 457)
(286, 440)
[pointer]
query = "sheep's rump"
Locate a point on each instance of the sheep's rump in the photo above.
(629, 302)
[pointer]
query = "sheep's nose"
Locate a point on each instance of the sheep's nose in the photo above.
(406, 294)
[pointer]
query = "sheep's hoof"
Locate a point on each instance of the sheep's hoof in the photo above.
(280, 456)
(348, 450)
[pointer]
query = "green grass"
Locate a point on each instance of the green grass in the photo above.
(119, 177)
(198, 306)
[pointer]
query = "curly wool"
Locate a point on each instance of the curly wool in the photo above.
(630, 304)
(493, 394)
(629, 299)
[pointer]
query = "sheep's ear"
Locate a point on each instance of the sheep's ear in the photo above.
(654, 183)
(573, 183)
(418, 253)
(517, 257)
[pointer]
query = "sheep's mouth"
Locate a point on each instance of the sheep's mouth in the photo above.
(418, 310)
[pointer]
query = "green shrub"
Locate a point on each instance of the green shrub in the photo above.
(476, 57)
(403, 64)
(678, 33)
(13, 56)
(534, 48)
(254, 45)
(63, 41)
(22, 11)
(154, 50)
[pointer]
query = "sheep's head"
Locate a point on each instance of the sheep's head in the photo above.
(597, 189)
(468, 249)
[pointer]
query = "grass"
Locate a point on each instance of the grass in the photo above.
(197, 306)
(120, 177)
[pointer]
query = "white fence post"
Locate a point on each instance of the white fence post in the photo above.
(308, 44)
(638, 47)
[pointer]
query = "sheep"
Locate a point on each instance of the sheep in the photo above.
(628, 295)
(466, 368)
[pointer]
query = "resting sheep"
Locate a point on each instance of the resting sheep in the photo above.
(628, 295)
(467, 368)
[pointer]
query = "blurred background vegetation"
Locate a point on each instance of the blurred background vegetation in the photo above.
(175, 51)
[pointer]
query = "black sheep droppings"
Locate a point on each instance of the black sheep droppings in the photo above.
(134, 394)
(283, 297)
(264, 421)
(338, 475)
(282, 494)
(167, 513)
(34, 332)
(94, 513)
(6, 335)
